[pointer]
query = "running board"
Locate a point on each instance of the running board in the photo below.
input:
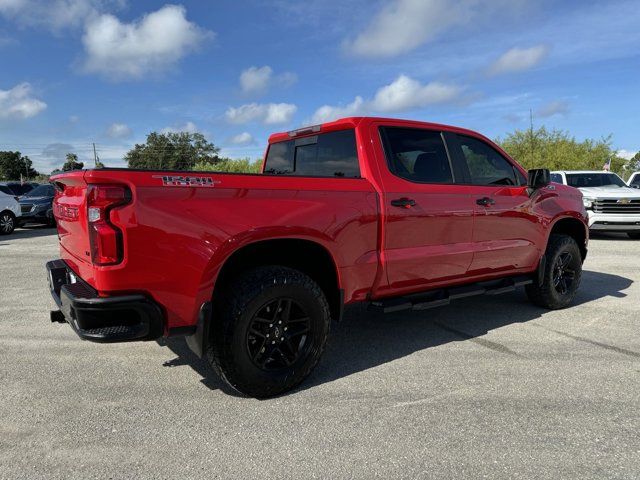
(441, 297)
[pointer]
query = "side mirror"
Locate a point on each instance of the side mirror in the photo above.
(538, 178)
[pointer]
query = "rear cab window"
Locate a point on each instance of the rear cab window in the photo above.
(331, 154)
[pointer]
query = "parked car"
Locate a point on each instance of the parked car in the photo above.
(9, 213)
(252, 267)
(16, 188)
(634, 180)
(37, 205)
(611, 205)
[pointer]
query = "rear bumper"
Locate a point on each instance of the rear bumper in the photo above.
(101, 319)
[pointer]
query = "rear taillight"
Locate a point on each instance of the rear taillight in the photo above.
(105, 238)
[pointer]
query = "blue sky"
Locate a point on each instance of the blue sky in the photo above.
(75, 72)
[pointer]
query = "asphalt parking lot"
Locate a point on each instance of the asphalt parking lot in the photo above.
(489, 387)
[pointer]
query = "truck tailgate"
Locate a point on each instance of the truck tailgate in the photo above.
(69, 207)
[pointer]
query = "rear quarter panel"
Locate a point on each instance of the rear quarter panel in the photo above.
(178, 237)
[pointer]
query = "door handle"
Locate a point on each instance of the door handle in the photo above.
(403, 202)
(485, 201)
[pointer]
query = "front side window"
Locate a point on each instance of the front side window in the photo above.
(583, 180)
(332, 154)
(417, 155)
(486, 166)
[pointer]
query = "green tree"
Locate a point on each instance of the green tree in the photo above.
(72, 163)
(242, 165)
(14, 166)
(634, 163)
(172, 151)
(558, 150)
(99, 164)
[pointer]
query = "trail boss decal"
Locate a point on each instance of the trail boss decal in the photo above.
(186, 181)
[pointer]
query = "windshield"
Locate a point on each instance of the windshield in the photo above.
(41, 191)
(579, 180)
(635, 180)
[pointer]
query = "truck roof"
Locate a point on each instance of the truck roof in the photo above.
(352, 122)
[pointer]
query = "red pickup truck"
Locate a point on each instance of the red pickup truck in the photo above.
(252, 268)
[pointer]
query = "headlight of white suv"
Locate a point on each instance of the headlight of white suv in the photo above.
(588, 202)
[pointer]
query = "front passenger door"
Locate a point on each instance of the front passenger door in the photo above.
(505, 231)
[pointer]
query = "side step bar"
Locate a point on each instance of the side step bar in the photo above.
(441, 297)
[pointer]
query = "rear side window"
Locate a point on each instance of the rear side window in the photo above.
(332, 154)
(417, 155)
(486, 166)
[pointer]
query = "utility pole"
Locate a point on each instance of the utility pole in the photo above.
(531, 134)
(95, 156)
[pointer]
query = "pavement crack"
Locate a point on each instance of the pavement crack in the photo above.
(621, 350)
(498, 347)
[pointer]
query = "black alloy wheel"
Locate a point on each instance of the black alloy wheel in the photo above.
(277, 335)
(563, 273)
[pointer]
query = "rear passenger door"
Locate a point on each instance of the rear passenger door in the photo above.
(428, 218)
(506, 231)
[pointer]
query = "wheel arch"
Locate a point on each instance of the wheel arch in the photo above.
(308, 256)
(574, 228)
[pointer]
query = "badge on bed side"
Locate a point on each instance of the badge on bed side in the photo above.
(186, 181)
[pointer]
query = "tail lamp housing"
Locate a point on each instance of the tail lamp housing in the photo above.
(105, 239)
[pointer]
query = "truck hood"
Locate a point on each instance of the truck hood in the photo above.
(610, 192)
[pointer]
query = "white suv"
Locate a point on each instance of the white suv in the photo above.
(611, 204)
(9, 211)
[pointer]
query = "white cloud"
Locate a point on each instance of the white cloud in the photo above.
(188, 127)
(518, 59)
(404, 25)
(55, 14)
(257, 80)
(118, 130)
(267, 113)
(326, 113)
(152, 44)
(403, 94)
(244, 138)
(626, 154)
(558, 107)
(20, 103)
(53, 155)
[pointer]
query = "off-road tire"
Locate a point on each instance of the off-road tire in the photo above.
(548, 294)
(235, 312)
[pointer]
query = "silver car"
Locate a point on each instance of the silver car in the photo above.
(9, 213)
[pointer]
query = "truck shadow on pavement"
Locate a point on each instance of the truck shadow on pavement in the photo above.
(28, 232)
(364, 340)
